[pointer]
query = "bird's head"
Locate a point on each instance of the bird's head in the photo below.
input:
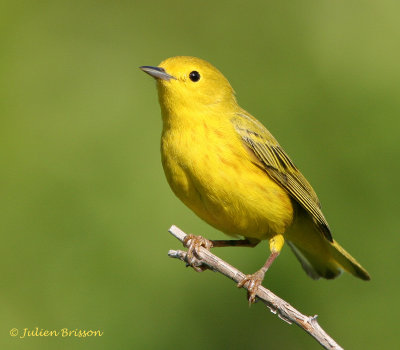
(190, 82)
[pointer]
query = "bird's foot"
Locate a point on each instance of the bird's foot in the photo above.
(252, 281)
(193, 243)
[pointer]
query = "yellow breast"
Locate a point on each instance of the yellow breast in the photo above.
(210, 170)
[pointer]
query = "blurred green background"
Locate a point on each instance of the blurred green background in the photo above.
(85, 207)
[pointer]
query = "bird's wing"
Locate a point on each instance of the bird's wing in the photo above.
(279, 167)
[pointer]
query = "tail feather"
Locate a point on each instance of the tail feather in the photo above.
(316, 266)
(347, 261)
(330, 263)
(319, 256)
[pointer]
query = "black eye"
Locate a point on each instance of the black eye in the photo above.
(194, 76)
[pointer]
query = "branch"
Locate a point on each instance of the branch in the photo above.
(277, 305)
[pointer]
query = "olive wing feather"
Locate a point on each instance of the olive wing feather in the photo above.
(277, 164)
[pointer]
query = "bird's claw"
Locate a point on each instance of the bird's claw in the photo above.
(253, 282)
(193, 243)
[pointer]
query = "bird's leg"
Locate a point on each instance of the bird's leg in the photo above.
(235, 243)
(193, 243)
(254, 280)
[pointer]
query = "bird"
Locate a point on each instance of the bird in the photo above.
(226, 166)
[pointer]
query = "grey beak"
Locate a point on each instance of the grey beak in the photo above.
(157, 72)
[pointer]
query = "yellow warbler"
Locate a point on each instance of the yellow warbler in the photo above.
(228, 168)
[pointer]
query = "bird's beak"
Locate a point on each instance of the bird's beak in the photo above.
(157, 72)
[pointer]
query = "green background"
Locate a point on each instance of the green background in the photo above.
(85, 208)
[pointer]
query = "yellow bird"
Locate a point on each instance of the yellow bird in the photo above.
(228, 168)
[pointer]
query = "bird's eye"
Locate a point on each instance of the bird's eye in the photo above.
(194, 76)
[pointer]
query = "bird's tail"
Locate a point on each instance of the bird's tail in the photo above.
(330, 264)
(319, 256)
(347, 262)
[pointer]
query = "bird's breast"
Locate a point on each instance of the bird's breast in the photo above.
(211, 171)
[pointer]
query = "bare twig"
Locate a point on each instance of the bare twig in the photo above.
(277, 305)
